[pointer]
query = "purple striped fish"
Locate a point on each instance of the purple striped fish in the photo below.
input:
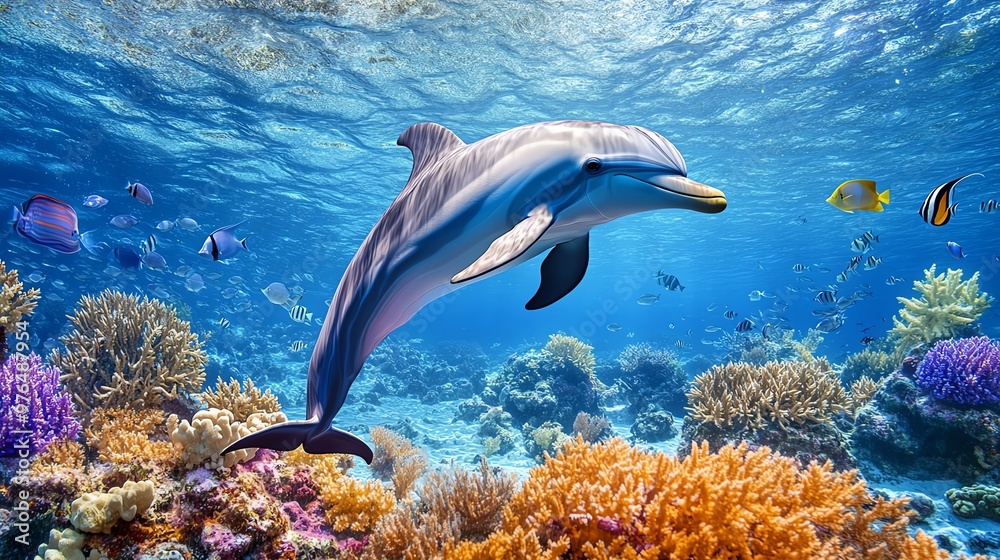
(49, 222)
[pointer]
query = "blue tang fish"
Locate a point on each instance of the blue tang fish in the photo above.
(955, 250)
(222, 244)
(49, 222)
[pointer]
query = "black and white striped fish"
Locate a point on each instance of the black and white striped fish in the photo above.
(299, 314)
(746, 325)
(872, 261)
(799, 268)
(988, 206)
(150, 244)
(892, 280)
(297, 346)
(224, 323)
(938, 208)
(731, 314)
(826, 296)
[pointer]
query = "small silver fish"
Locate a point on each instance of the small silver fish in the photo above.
(614, 327)
(648, 299)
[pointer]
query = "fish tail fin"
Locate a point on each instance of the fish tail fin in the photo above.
(309, 316)
(290, 435)
(15, 213)
(243, 242)
(883, 196)
(876, 239)
(878, 207)
(682, 288)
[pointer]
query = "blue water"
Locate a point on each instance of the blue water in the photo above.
(287, 117)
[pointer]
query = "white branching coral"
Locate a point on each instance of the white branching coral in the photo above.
(948, 307)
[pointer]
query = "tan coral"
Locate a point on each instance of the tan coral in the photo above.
(780, 392)
(242, 402)
(127, 352)
(397, 459)
(947, 307)
(862, 392)
(201, 441)
(14, 301)
(571, 349)
(97, 512)
(123, 436)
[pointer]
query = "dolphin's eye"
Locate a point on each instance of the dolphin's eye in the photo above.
(592, 165)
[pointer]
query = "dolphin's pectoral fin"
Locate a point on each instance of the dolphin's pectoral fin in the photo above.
(562, 270)
(289, 435)
(510, 245)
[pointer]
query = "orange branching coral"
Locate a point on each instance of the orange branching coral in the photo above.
(59, 456)
(397, 459)
(611, 500)
(781, 392)
(242, 402)
(122, 436)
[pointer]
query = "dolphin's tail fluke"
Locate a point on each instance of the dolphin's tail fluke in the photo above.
(289, 435)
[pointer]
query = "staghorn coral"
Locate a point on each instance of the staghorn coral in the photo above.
(202, 440)
(805, 348)
(592, 428)
(15, 303)
(124, 351)
(962, 371)
(870, 362)
(862, 392)
(778, 392)
(611, 500)
(454, 505)
(62, 456)
(396, 459)
(947, 307)
(122, 436)
(97, 512)
(573, 350)
(241, 402)
(34, 410)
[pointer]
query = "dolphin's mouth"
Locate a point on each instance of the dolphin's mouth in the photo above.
(699, 197)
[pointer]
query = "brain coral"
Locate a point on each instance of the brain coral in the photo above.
(127, 352)
(963, 371)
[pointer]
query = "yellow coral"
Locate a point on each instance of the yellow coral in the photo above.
(946, 307)
(122, 436)
(14, 301)
(806, 347)
(862, 391)
(564, 347)
(870, 362)
(60, 456)
(97, 512)
(241, 402)
(202, 440)
(781, 392)
(612, 500)
(124, 352)
(397, 459)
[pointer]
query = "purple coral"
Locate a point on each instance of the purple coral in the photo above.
(34, 410)
(963, 371)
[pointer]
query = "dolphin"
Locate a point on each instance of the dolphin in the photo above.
(468, 212)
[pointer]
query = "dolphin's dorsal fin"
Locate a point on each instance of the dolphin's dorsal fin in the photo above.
(510, 245)
(428, 142)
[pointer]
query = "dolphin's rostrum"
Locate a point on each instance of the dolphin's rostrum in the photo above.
(467, 212)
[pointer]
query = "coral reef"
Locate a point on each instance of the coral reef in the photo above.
(34, 410)
(397, 459)
(127, 352)
(870, 362)
(962, 371)
(15, 303)
(788, 406)
(975, 501)
(97, 512)
(905, 431)
(544, 440)
(805, 349)
(126, 436)
(947, 307)
(612, 500)
(553, 384)
(202, 440)
(653, 426)
(65, 545)
(649, 378)
(592, 428)
(455, 371)
(242, 402)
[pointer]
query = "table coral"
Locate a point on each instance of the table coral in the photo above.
(612, 500)
(963, 371)
(202, 440)
(97, 512)
(34, 409)
(947, 307)
(124, 351)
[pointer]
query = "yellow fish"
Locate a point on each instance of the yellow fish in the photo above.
(858, 194)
